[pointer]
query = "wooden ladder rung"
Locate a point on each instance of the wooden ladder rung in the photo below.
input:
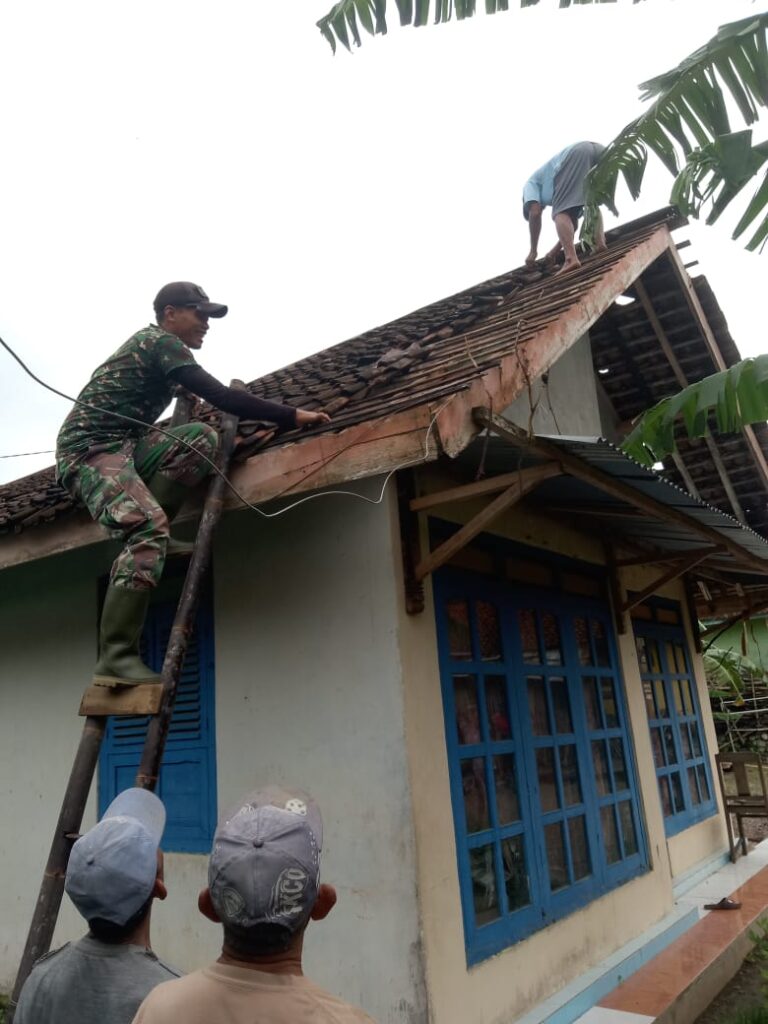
(143, 699)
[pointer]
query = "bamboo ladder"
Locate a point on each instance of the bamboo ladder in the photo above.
(99, 703)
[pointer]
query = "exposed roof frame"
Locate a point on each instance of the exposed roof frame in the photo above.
(682, 380)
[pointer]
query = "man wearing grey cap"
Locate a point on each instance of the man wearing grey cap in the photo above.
(264, 888)
(132, 478)
(115, 871)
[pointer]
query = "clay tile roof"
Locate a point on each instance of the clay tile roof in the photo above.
(430, 353)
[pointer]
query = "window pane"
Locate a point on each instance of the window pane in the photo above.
(662, 711)
(652, 651)
(642, 654)
(537, 705)
(515, 874)
(475, 795)
(682, 668)
(685, 740)
(693, 788)
(628, 834)
(610, 834)
(545, 767)
(496, 705)
(529, 637)
(666, 796)
(459, 635)
(669, 745)
(658, 750)
(600, 761)
(695, 739)
(484, 894)
(685, 686)
(561, 704)
(488, 631)
(668, 615)
(650, 707)
(703, 784)
(601, 644)
(558, 865)
(677, 792)
(507, 804)
(467, 710)
(582, 640)
(609, 704)
(577, 831)
(551, 629)
(569, 773)
(677, 689)
(591, 703)
(619, 763)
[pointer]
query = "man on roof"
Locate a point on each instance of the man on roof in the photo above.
(132, 478)
(559, 183)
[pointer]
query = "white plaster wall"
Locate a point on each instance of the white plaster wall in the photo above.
(309, 691)
(571, 391)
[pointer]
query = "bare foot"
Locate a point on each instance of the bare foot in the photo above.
(568, 266)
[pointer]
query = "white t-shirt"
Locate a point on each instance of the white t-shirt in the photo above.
(238, 995)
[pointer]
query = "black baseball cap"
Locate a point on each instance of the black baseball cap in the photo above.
(184, 293)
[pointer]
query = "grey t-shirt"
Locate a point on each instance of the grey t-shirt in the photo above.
(90, 982)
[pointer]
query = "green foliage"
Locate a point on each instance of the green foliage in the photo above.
(726, 671)
(345, 19)
(737, 396)
(688, 127)
(754, 1015)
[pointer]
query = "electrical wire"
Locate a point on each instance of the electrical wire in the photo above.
(21, 455)
(212, 464)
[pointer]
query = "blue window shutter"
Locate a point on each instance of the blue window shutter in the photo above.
(187, 784)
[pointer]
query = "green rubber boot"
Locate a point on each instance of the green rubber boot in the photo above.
(170, 497)
(122, 620)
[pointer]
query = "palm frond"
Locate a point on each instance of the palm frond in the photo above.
(737, 396)
(343, 21)
(687, 127)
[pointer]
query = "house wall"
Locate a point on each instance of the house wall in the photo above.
(308, 691)
(571, 389)
(512, 982)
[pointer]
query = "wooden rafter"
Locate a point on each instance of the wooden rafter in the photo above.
(710, 340)
(673, 573)
(525, 482)
(491, 485)
(666, 556)
(604, 482)
(682, 380)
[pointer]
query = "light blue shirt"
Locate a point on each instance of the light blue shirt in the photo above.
(540, 187)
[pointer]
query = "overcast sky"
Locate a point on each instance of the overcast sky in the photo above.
(219, 141)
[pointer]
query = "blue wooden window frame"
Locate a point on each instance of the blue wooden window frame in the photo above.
(187, 782)
(672, 706)
(504, 862)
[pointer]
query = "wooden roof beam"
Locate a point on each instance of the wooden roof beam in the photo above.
(683, 381)
(574, 466)
(666, 556)
(714, 350)
(491, 485)
(675, 572)
(526, 481)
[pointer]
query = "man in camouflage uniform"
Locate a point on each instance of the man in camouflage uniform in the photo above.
(132, 478)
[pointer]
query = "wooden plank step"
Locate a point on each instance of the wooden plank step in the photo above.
(125, 700)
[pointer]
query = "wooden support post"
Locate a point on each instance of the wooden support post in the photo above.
(614, 589)
(526, 481)
(410, 543)
(157, 731)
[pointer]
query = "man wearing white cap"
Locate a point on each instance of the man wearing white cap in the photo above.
(115, 871)
(264, 888)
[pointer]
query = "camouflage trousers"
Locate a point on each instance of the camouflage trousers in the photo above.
(113, 487)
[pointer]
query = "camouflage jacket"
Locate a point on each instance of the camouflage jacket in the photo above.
(133, 382)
